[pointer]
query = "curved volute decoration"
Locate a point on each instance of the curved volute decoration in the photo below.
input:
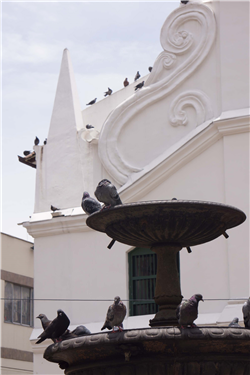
(186, 37)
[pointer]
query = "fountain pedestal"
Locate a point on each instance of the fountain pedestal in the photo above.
(167, 290)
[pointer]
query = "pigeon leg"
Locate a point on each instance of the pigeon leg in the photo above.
(120, 328)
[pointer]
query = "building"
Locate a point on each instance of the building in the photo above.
(17, 279)
(185, 134)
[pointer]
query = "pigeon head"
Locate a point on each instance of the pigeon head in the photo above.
(198, 297)
(117, 300)
(41, 316)
(60, 313)
(104, 182)
(85, 195)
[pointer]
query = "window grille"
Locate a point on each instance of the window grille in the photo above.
(18, 304)
(142, 279)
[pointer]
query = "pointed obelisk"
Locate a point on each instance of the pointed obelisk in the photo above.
(63, 172)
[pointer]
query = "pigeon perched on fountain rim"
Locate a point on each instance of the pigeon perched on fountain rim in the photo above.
(89, 204)
(115, 315)
(56, 328)
(246, 313)
(107, 193)
(187, 311)
(44, 320)
(234, 323)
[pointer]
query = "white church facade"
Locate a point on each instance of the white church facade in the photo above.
(184, 135)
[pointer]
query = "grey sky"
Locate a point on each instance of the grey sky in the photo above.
(107, 42)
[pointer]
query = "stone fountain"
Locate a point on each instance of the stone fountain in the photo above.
(166, 227)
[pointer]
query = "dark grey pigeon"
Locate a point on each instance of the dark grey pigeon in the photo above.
(90, 205)
(150, 68)
(139, 86)
(187, 311)
(109, 92)
(126, 82)
(246, 313)
(106, 192)
(115, 315)
(92, 102)
(36, 141)
(89, 126)
(44, 320)
(56, 328)
(26, 152)
(53, 208)
(137, 76)
(234, 323)
(77, 332)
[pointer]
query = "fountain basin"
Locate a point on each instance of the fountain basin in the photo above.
(157, 351)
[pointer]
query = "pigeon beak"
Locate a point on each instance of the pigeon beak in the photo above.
(38, 317)
(202, 300)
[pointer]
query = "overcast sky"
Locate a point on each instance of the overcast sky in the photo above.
(107, 41)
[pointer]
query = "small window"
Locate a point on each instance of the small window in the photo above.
(142, 279)
(18, 304)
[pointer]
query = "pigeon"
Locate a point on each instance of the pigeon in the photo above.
(139, 86)
(26, 152)
(137, 76)
(56, 328)
(44, 320)
(109, 92)
(150, 68)
(54, 208)
(89, 126)
(246, 313)
(90, 205)
(92, 102)
(45, 141)
(36, 141)
(234, 323)
(115, 315)
(126, 82)
(77, 332)
(187, 311)
(106, 192)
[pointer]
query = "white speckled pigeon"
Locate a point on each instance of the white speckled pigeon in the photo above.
(90, 205)
(187, 311)
(56, 328)
(246, 313)
(115, 315)
(106, 192)
(234, 323)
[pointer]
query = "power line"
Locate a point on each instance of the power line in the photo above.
(110, 300)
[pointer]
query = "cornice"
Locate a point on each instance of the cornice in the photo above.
(57, 225)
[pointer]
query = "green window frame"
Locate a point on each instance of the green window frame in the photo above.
(142, 265)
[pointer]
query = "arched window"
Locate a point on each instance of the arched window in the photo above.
(142, 278)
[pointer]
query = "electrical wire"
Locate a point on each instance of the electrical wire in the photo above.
(108, 300)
